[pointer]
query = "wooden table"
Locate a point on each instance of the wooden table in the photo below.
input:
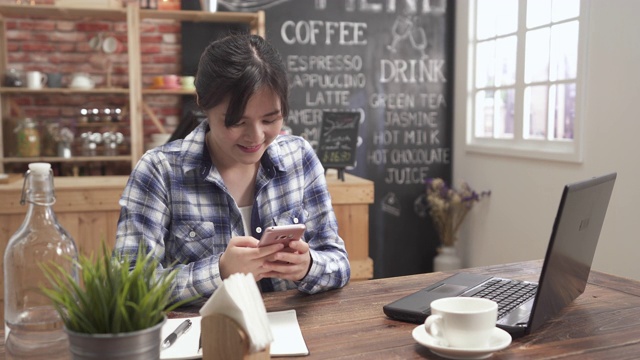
(603, 323)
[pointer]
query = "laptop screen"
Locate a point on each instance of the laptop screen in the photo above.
(572, 246)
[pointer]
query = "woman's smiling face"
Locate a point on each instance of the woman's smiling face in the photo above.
(247, 140)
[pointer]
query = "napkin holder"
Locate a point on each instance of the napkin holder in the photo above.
(224, 339)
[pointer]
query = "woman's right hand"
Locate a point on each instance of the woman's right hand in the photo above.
(244, 256)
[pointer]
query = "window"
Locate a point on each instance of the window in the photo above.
(524, 85)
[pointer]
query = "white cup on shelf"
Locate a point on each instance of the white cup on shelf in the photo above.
(209, 5)
(36, 80)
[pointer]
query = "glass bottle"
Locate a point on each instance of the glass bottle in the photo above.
(28, 138)
(33, 328)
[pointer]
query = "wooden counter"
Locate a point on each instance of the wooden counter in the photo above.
(87, 207)
(351, 199)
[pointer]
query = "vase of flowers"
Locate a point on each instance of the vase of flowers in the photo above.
(448, 208)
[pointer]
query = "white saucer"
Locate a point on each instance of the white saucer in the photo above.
(500, 339)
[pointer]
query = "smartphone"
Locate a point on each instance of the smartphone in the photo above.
(282, 234)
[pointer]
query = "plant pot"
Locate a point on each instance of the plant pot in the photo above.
(137, 345)
(447, 259)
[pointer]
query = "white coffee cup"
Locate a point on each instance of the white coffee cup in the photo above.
(36, 79)
(462, 322)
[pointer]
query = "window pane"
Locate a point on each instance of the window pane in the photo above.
(538, 13)
(505, 61)
(495, 114)
(496, 17)
(504, 113)
(535, 112)
(506, 16)
(485, 58)
(565, 9)
(564, 51)
(484, 114)
(536, 67)
(485, 21)
(565, 111)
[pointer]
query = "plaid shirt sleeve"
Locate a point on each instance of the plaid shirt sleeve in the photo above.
(302, 190)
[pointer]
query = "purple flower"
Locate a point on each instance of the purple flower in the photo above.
(449, 206)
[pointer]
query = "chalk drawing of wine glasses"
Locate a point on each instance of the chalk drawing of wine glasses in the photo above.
(400, 31)
(418, 40)
(403, 28)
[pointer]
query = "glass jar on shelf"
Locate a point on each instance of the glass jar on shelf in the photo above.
(28, 138)
(84, 115)
(111, 141)
(95, 116)
(107, 115)
(117, 115)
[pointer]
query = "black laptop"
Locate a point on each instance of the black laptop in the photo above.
(524, 306)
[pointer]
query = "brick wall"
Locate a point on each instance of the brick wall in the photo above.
(63, 46)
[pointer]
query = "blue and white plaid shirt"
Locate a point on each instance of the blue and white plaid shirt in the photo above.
(175, 200)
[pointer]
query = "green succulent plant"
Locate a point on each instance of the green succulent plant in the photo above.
(112, 295)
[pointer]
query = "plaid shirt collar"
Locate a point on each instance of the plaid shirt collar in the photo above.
(195, 155)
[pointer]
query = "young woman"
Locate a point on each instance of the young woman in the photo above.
(200, 204)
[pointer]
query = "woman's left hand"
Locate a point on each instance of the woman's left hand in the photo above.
(291, 263)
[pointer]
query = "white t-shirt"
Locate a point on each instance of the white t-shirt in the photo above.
(245, 211)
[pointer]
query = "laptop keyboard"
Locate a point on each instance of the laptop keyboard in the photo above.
(509, 294)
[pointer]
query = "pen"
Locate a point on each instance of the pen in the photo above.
(181, 329)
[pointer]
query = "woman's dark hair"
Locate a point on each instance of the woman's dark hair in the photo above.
(189, 121)
(236, 67)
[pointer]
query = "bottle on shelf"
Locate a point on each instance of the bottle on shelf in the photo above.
(33, 328)
(28, 138)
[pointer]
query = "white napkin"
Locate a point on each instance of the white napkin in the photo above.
(239, 298)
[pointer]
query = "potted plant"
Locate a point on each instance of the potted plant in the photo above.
(448, 207)
(118, 309)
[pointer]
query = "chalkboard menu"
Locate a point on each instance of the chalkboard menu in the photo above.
(338, 139)
(391, 61)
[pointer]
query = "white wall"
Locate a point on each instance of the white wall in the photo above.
(514, 224)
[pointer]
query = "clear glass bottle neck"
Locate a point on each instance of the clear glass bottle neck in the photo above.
(38, 189)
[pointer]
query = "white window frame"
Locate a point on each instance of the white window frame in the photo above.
(556, 150)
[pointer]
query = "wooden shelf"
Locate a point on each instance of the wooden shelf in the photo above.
(50, 11)
(200, 16)
(74, 159)
(255, 20)
(62, 91)
(168, 92)
(102, 124)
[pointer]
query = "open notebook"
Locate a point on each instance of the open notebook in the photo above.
(288, 340)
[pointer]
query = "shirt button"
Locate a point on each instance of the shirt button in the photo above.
(295, 220)
(192, 234)
(259, 230)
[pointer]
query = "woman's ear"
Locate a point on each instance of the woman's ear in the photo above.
(197, 99)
